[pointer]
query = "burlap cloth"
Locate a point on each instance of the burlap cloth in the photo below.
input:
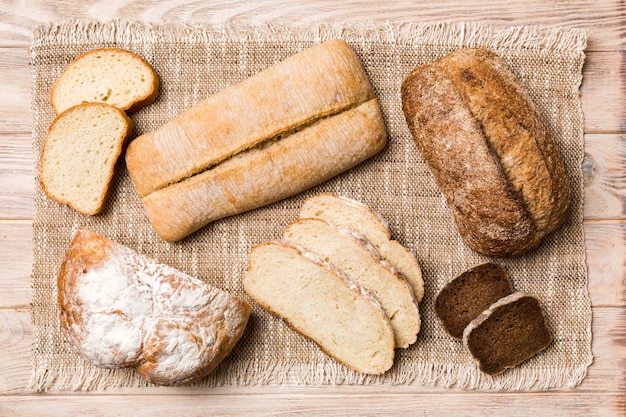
(194, 61)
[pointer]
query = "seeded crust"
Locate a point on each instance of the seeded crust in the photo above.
(510, 331)
(494, 160)
(469, 294)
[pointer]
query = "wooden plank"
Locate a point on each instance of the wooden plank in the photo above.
(605, 242)
(605, 375)
(604, 19)
(15, 90)
(603, 92)
(17, 176)
(605, 182)
(322, 405)
(16, 259)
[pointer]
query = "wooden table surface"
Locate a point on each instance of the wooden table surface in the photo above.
(603, 93)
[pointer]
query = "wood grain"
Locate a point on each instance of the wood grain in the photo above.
(603, 94)
(604, 19)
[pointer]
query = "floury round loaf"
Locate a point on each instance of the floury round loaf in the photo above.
(119, 308)
(492, 157)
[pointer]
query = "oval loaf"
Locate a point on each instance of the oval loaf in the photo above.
(492, 157)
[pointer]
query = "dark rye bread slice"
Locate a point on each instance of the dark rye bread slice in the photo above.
(469, 294)
(510, 331)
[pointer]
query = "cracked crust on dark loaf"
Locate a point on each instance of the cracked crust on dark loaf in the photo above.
(492, 157)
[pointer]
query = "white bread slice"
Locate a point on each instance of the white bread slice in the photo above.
(349, 253)
(345, 320)
(106, 75)
(79, 155)
(352, 214)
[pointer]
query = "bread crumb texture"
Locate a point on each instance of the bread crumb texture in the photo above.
(79, 155)
(107, 75)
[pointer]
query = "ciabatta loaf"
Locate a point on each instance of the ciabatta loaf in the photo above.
(79, 155)
(319, 302)
(354, 215)
(280, 132)
(352, 255)
(489, 151)
(269, 173)
(106, 75)
(122, 309)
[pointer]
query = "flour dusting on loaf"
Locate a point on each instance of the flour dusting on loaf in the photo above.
(121, 309)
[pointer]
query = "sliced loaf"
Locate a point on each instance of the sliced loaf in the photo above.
(107, 75)
(469, 294)
(510, 331)
(79, 155)
(352, 214)
(319, 302)
(350, 254)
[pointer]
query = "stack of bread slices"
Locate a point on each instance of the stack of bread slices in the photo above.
(337, 278)
(91, 99)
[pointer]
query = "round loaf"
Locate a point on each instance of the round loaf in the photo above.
(492, 157)
(119, 308)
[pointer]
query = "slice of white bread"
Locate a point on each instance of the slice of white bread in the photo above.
(352, 214)
(79, 155)
(345, 320)
(349, 253)
(106, 75)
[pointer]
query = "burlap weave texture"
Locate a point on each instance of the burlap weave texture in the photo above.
(194, 61)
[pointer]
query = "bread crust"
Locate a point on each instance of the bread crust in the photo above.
(132, 106)
(315, 83)
(120, 144)
(265, 175)
(523, 332)
(500, 171)
(360, 292)
(148, 308)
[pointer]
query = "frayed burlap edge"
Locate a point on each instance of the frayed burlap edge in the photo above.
(542, 39)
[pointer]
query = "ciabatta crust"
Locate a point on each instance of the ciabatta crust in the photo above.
(317, 82)
(264, 175)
